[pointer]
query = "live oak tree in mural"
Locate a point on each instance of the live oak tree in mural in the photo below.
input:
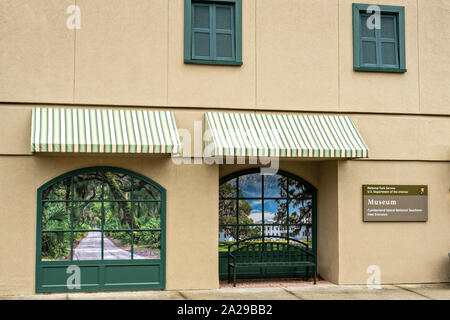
(227, 213)
(102, 205)
(299, 207)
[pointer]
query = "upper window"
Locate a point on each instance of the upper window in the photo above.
(379, 38)
(213, 32)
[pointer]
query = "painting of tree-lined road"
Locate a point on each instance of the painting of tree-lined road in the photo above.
(101, 215)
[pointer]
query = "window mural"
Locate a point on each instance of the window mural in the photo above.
(254, 205)
(100, 214)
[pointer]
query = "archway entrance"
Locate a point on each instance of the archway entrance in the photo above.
(279, 207)
(100, 228)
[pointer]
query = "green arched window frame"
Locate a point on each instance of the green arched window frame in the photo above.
(311, 189)
(101, 283)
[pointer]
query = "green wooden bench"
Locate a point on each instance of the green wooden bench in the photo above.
(265, 252)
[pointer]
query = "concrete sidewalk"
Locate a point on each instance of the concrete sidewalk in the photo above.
(321, 292)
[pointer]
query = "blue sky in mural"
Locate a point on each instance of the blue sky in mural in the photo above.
(251, 185)
(270, 210)
(272, 188)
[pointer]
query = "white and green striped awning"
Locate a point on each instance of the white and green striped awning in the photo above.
(104, 131)
(281, 135)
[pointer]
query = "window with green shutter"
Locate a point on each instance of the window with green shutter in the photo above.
(213, 32)
(379, 42)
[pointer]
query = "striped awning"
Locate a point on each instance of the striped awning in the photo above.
(104, 131)
(281, 135)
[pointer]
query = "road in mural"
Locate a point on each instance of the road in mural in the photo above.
(89, 248)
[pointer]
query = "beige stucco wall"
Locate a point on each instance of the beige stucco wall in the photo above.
(37, 51)
(191, 217)
(328, 222)
(405, 251)
(298, 56)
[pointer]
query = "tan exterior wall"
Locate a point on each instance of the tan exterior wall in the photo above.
(37, 52)
(298, 55)
(191, 262)
(405, 251)
(328, 222)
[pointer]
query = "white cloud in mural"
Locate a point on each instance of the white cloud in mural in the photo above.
(256, 216)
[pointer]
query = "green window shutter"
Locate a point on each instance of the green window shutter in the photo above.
(213, 32)
(224, 32)
(381, 49)
(201, 31)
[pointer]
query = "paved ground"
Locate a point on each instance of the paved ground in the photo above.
(307, 292)
(90, 248)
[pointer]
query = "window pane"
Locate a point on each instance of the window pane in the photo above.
(87, 215)
(58, 191)
(284, 232)
(144, 191)
(87, 245)
(369, 52)
(228, 189)
(275, 186)
(227, 234)
(250, 211)
(88, 186)
(201, 44)
(117, 215)
(300, 211)
(275, 211)
(250, 186)
(227, 211)
(224, 45)
(298, 190)
(117, 245)
(201, 16)
(55, 246)
(147, 245)
(56, 216)
(223, 18)
(365, 31)
(147, 215)
(272, 231)
(246, 232)
(387, 27)
(297, 232)
(388, 53)
(117, 186)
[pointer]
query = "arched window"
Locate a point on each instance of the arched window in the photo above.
(101, 214)
(254, 205)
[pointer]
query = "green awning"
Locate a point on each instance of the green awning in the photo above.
(282, 135)
(104, 131)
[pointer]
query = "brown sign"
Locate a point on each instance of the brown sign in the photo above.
(395, 203)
